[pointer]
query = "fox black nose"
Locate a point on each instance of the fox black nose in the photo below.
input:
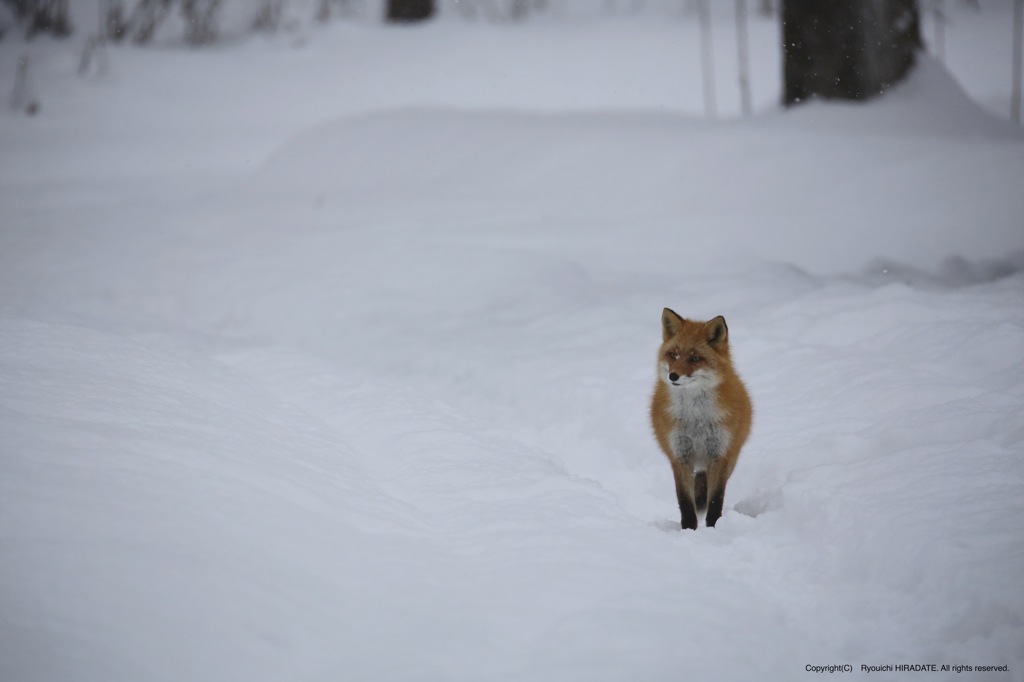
(673, 377)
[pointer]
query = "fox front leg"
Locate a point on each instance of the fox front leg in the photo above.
(687, 509)
(716, 489)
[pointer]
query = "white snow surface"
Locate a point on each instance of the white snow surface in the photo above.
(317, 368)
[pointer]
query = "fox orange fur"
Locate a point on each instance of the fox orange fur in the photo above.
(700, 411)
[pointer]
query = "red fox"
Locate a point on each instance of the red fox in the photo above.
(700, 411)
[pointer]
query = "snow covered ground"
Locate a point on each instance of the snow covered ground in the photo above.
(327, 356)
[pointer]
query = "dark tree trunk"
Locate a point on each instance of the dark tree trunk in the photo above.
(43, 16)
(846, 49)
(410, 10)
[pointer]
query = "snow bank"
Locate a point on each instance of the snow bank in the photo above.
(929, 102)
(674, 187)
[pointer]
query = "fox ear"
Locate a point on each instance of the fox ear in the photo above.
(671, 323)
(717, 331)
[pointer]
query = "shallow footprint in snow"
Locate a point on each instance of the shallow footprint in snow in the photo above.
(759, 503)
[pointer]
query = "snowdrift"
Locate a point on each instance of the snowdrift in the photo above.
(826, 187)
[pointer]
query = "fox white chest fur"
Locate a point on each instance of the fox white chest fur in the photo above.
(698, 437)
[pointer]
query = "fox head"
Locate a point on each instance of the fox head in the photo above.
(693, 355)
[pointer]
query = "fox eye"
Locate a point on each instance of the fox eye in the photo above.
(672, 355)
(696, 358)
